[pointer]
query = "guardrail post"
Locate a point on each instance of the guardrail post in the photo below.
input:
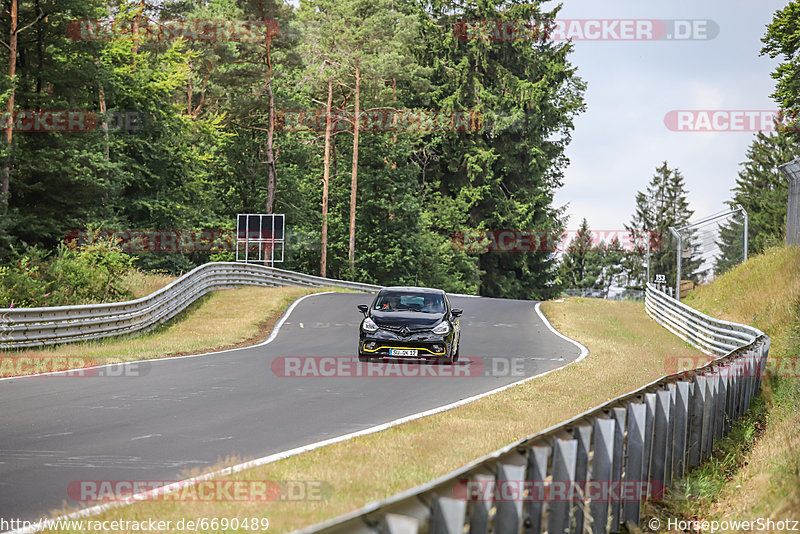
(745, 370)
(618, 415)
(696, 420)
(735, 388)
(509, 508)
(650, 415)
(447, 515)
(660, 434)
(748, 373)
(670, 435)
(722, 399)
(400, 524)
(602, 460)
(682, 399)
(583, 435)
(750, 359)
(479, 510)
(565, 455)
(762, 364)
(764, 352)
(708, 424)
(730, 396)
(537, 473)
(634, 459)
(713, 382)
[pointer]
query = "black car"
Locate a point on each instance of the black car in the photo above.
(410, 322)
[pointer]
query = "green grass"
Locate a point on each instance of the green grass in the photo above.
(755, 471)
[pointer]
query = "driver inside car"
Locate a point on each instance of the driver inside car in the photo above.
(390, 304)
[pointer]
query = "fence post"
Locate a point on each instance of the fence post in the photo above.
(565, 453)
(682, 399)
(634, 459)
(602, 461)
(583, 435)
(509, 511)
(537, 473)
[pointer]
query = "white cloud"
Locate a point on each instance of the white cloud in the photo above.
(621, 139)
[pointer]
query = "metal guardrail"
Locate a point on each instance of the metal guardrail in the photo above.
(712, 336)
(31, 327)
(645, 439)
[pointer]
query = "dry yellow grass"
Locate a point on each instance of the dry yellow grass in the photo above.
(627, 348)
(765, 292)
(142, 284)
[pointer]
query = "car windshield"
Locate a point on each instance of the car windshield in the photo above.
(420, 302)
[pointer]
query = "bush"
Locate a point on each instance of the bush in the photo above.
(90, 273)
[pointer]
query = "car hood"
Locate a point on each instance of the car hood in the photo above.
(412, 320)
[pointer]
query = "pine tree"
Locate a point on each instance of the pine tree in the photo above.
(502, 176)
(762, 190)
(581, 265)
(664, 205)
(731, 246)
(781, 40)
(612, 264)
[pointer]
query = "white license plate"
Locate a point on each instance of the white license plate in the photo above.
(402, 352)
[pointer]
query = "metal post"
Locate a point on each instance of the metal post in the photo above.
(602, 466)
(744, 211)
(680, 253)
(565, 456)
(246, 238)
(792, 172)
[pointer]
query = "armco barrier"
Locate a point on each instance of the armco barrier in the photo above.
(712, 336)
(645, 439)
(30, 327)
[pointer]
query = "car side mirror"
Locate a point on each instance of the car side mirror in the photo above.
(457, 312)
(363, 308)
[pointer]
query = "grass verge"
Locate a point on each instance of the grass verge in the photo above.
(627, 349)
(754, 472)
(219, 320)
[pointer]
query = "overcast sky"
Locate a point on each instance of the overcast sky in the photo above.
(632, 85)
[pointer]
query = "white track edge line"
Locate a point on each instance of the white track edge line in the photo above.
(86, 512)
(269, 339)
(583, 349)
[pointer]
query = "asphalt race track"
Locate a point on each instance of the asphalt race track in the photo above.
(190, 413)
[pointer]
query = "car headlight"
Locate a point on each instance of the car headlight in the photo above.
(442, 328)
(369, 325)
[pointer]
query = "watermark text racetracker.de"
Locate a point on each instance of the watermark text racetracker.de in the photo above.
(350, 367)
(549, 241)
(136, 241)
(74, 121)
(731, 120)
(777, 366)
(557, 490)
(198, 30)
(380, 120)
(69, 367)
(586, 30)
(107, 491)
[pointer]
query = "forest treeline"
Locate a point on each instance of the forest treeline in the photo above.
(381, 129)
(455, 132)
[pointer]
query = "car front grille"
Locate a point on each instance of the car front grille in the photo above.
(404, 330)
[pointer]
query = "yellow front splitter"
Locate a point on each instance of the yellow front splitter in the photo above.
(429, 351)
